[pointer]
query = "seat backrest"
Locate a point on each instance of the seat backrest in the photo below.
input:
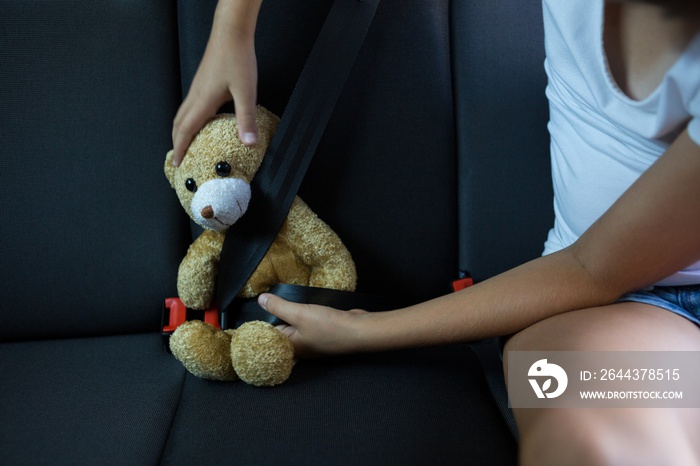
(91, 234)
(505, 187)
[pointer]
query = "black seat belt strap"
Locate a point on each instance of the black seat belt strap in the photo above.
(294, 143)
(489, 354)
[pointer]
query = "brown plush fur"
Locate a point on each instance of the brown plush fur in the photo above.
(203, 350)
(259, 348)
(305, 252)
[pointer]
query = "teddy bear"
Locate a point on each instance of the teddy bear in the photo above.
(213, 186)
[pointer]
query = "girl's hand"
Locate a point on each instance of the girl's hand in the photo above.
(228, 71)
(317, 330)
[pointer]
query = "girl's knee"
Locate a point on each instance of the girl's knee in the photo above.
(558, 436)
(605, 437)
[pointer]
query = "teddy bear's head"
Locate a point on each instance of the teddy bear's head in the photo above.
(213, 180)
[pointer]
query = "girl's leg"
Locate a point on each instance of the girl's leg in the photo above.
(622, 436)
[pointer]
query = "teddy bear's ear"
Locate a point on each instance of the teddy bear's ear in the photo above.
(169, 168)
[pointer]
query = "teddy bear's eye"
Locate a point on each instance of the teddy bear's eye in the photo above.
(191, 185)
(223, 169)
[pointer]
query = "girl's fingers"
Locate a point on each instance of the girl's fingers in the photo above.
(196, 110)
(278, 307)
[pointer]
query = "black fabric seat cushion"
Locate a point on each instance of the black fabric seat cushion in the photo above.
(107, 400)
(416, 407)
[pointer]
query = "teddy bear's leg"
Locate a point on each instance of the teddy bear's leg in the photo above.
(204, 350)
(261, 354)
(279, 265)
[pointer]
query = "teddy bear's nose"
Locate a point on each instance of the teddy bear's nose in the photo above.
(208, 212)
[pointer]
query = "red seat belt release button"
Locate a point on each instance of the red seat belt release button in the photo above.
(178, 314)
(462, 283)
(211, 316)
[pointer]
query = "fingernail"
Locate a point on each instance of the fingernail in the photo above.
(249, 139)
(262, 300)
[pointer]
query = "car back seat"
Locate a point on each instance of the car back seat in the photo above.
(428, 120)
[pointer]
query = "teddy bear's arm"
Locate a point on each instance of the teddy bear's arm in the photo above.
(320, 248)
(197, 273)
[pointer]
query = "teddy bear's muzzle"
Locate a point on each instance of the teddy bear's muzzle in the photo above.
(219, 203)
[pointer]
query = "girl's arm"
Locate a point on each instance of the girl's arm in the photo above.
(651, 232)
(228, 70)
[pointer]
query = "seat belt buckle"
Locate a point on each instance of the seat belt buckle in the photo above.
(175, 313)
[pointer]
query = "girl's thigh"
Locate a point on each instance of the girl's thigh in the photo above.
(628, 326)
(607, 434)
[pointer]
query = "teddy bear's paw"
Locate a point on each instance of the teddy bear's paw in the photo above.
(261, 355)
(204, 350)
(193, 292)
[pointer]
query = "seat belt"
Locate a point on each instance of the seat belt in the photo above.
(293, 145)
(489, 353)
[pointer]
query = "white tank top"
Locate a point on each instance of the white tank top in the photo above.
(601, 140)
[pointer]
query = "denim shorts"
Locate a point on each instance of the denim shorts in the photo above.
(681, 300)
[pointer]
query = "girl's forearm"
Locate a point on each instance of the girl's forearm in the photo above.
(503, 305)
